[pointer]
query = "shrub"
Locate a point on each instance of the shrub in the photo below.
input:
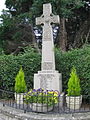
(20, 84)
(73, 84)
(10, 65)
(80, 58)
(30, 61)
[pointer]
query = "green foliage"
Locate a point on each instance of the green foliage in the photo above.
(15, 31)
(80, 58)
(41, 96)
(20, 84)
(1, 51)
(74, 84)
(10, 65)
(30, 60)
(64, 8)
(17, 7)
(12, 35)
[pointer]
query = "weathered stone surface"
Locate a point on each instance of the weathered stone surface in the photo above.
(8, 113)
(47, 41)
(1, 117)
(48, 78)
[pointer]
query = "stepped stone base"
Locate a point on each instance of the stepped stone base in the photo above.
(48, 80)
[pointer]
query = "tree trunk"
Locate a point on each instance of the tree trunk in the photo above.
(62, 35)
(82, 35)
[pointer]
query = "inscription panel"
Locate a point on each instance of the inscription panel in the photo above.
(47, 66)
(46, 81)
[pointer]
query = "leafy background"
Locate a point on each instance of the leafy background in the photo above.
(30, 60)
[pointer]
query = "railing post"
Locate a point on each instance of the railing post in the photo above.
(3, 105)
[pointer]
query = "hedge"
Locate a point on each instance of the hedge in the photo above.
(80, 58)
(10, 65)
(31, 63)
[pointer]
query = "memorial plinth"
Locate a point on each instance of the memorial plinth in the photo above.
(48, 78)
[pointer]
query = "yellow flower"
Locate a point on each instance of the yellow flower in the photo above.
(55, 94)
(50, 92)
(30, 91)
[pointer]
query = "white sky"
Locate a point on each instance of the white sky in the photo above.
(2, 5)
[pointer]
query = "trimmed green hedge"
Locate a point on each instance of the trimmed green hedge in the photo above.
(80, 58)
(10, 65)
(30, 61)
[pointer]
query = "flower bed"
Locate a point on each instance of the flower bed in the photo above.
(44, 100)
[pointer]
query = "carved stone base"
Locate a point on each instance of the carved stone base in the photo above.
(48, 80)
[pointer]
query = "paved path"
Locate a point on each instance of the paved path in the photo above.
(8, 113)
(2, 117)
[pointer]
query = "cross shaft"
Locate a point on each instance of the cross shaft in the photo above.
(47, 40)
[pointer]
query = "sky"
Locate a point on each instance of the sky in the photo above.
(2, 5)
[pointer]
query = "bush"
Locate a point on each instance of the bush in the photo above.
(80, 58)
(20, 84)
(10, 65)
(30, 61)
(73, 84)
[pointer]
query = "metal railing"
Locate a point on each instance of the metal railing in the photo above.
(46, 104)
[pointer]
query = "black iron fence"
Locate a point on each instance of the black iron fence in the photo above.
(46, 102)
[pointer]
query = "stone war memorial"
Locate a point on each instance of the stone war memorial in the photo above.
(46, 99)
(48, 78)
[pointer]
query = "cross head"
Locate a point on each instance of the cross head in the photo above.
(47, 17)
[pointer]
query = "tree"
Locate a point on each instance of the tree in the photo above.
(65, 9)
(17, 7)
(74, 88)
(16, 29)
(15, 33)
(74, 17)
(20, 84)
